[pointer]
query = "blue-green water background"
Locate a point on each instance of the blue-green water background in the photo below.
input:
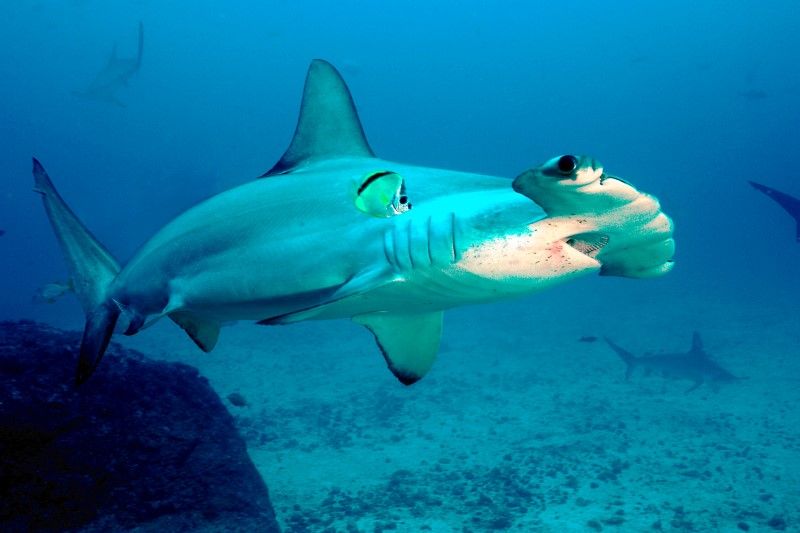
(657, 91)
(688, 100)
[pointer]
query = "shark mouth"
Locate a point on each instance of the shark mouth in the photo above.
(588, 244)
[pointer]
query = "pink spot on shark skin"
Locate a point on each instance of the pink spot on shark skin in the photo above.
(556, 250)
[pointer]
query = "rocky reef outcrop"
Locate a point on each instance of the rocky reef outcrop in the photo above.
(143, 445)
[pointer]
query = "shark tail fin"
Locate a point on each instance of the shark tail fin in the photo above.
(629, 359)
(92, 269)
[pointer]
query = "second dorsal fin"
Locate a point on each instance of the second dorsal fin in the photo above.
(328, 126)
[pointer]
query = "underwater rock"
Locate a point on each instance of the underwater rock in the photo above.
(146, 445)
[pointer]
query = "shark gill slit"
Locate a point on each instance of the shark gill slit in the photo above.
(429, 229)
(388, 248)
(453, 235)
(410, 241)
(395, 241)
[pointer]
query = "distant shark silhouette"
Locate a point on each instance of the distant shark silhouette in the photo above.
(113, 76)
(786, 201)
(695, 365)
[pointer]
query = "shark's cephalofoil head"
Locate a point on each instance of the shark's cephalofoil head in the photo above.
(553, 249)
(595, 222)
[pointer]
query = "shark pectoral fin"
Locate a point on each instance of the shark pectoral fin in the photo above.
(202, 331)
(409, 342)
(358, 284)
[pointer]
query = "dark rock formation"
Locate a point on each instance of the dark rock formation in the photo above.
(143, 444)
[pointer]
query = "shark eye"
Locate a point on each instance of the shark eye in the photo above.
(567, 164)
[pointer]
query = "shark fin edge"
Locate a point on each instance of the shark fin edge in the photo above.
(627, 357)
(328, 125)
(92, 270)
(97, 333)
(408, 342)
(788, 202)
(202, 331)
(697, 346)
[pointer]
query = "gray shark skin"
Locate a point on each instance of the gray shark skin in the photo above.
(114, 75)
(695, 365)
(789, 203)
(329, 232)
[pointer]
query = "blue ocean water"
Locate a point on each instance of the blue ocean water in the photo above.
(687, 100)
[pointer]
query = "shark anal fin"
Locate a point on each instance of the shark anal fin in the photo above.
(328, 125)
(202, 331)
(409, 342)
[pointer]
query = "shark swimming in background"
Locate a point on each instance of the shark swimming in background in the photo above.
(114, 75)
(695, 365)
(332, 231)
(789, 203)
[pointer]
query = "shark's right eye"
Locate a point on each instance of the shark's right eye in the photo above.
(567, 164)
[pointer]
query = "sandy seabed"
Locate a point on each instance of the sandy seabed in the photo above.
(519, 426)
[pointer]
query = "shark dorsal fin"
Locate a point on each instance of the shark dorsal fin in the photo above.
(697, 346)
(328, 126)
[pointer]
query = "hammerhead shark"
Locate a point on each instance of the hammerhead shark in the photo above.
(695, 365)
(114, 75)
(332, 231)
(786, 201)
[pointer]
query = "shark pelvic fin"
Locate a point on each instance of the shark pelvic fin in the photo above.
(328, 126)
(409, 342)
(202, 331)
